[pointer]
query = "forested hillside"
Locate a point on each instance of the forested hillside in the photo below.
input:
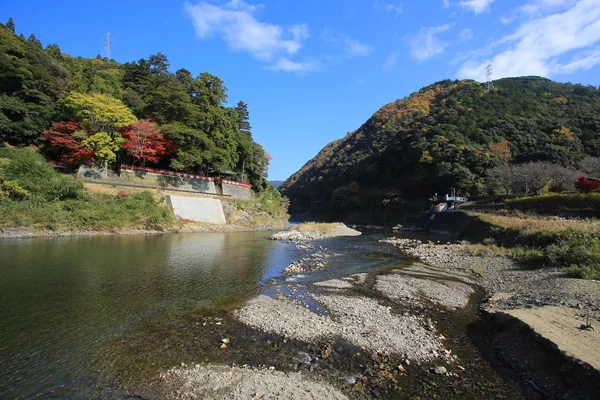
(448, 136)
(80, 110)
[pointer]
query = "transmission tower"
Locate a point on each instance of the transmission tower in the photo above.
(107, 45)
(489, 83)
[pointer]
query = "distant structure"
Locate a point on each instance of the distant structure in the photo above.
(489, 83)
(107, 45)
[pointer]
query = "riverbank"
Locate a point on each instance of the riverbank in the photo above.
(191, 227)
(529, 316)
(37, 201)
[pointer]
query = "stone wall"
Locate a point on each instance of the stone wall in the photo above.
(148, 179)
(167, 182)
(238, 191)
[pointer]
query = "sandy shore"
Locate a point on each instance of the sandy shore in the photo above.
(299, 236)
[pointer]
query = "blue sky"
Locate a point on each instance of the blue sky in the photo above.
(313, 70)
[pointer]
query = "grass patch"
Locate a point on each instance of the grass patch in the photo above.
(317, 227)
(569, 244)
(485, 250)
(89, 212)
(551, 198)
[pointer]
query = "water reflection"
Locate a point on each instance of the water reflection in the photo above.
(62, 298)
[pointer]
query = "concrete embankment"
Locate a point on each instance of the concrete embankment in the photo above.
(197, 209)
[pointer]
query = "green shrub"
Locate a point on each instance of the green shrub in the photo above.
(31, 172)
(530, 257)
(38, 197)
(583, 271)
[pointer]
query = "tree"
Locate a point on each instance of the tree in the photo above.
(145, 143)
(99, 112)
(10, 25)
(54, 51)
(64, 143)
(501, 150)
(585, 185)
(591, 166)
(243, 117)
(34, 41)
(500, 177)
(195, 150)
(30, 84)
(104, 147)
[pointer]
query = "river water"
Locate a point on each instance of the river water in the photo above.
(64, 300)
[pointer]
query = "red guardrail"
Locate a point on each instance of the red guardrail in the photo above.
(236, 183)
(125, 167)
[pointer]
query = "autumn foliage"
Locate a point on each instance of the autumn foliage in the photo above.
(585, 185)
(145, 143)
(64, 140)
(501, 150)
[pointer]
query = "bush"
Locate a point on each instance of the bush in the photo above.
(31, 172)
(530, 257)
(34, 195)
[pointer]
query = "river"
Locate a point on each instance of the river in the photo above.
(66, 301)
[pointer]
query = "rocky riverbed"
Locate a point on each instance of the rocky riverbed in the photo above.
(313, 258)
(404, 332)
(509, 285)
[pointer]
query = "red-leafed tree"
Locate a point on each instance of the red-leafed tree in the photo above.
(145, 142)
(64, 141)
(585, 185)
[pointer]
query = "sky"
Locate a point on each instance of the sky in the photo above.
(313, 70)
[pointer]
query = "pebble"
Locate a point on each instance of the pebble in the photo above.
(439, 370)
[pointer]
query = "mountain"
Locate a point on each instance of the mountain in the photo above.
(276, 184)
(443, 137)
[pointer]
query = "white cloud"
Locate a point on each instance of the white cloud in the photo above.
(356, 48)
(466, 34)
(391, 61)
(446, 3)
(546, 6)
(397, 9)
(582, 61)
(351, 47)
(235, 23)
(287, 65)
(427, 44)
(562, 42)
(477, 6)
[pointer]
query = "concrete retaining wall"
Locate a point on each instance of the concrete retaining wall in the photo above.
(148, 179)
(197, 209)
(167, 182)
(237, 191)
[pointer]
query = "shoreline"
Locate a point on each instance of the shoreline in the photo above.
(10, 233)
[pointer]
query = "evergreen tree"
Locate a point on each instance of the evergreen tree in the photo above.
(10, 25)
